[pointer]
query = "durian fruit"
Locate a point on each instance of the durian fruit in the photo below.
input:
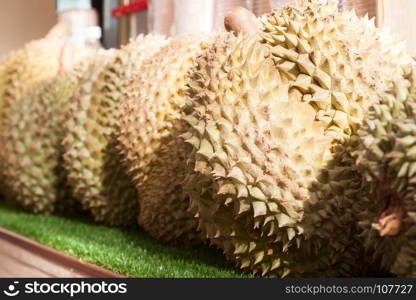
(154, 155)
(2, 77)
(33, 166)
(36, 62)
(93, 163)
(270, 124)
(386, 158)
(240, 113)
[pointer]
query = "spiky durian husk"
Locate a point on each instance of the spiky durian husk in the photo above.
(341, 69)
(92, 160)
(241, 115)
(151, 124)
(33, 169)
(271, 181)
(37, 61)
(22, 69)
(75, 136)
(386, 158)
(2, 77)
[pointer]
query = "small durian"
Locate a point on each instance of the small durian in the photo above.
(271, 116)
(154, 155)
(37, 61)
(92, 161)
(22, 70)
(386, 158)
(33, 170)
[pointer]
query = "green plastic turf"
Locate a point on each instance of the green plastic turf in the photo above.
(127, 251)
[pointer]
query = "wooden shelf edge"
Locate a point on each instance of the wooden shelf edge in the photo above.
(53, 257)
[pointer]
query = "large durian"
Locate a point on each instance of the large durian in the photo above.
(93, 163)
(271, 117)
(386, 158)
(151, 124)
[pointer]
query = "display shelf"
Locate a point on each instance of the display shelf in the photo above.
(123, 251)
(22, 257)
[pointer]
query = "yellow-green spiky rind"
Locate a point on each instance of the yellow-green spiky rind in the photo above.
(342, 70)
(236, 201)
(75, 135)
(99, 180)
(22, 69)
(36, 62)
(33, 169)
(3, 78)
(151, 124)
(270, 180)
(387, 162)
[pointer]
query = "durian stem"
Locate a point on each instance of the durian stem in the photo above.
(58, 31)
(241, 20)
(390, 221)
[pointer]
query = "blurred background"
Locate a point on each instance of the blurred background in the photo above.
(111, 23)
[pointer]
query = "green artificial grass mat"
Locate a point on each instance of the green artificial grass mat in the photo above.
(127, 251)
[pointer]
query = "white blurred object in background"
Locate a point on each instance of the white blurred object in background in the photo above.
(82, 21)
(161, 16)
(259, 7)
(361, 7)
(194, 16)
(176, 17)
(278, 3)
(62, 5)
(397, 18)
